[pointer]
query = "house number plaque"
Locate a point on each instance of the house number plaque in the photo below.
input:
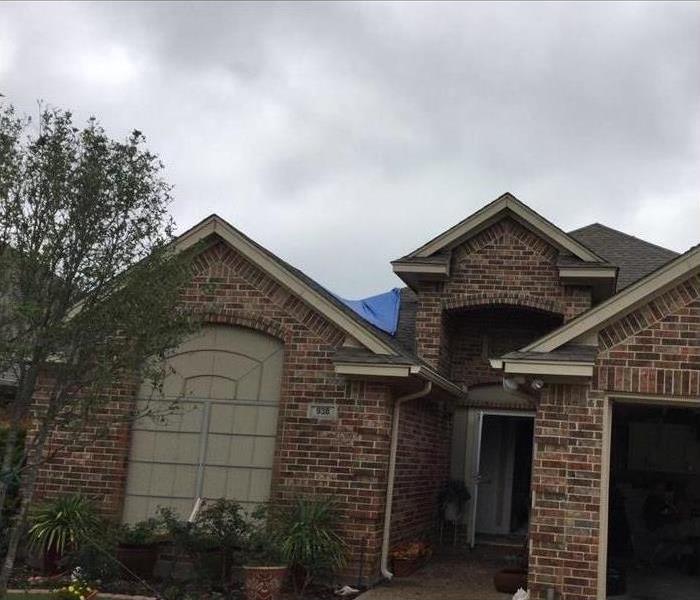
(328, 412)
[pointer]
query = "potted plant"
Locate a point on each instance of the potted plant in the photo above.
(452, 499)
(60, 526)
(407, 557)
(137, 547)
(222, 529)
(309, 541)
(264, 569)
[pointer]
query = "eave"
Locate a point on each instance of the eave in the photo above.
(392, 372)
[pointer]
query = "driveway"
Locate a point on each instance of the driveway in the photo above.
(457, 575)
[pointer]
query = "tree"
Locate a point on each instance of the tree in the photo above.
(90, 282)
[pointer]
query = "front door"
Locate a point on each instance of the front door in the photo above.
(498, 461)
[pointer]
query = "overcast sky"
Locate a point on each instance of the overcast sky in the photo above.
(342, 136)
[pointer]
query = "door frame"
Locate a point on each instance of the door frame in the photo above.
(475, 463)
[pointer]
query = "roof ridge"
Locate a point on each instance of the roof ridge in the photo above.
(629, 235)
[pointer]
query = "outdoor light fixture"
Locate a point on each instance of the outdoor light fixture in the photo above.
(537, 384)
(510, 384)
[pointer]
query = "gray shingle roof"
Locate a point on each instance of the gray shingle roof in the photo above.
(406, 328)
(568, 352)
(635, 258)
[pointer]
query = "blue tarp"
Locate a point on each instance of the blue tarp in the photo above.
(381, 310)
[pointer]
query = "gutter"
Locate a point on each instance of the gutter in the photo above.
(392, 473)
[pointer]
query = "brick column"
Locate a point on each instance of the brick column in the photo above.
(566, 486)
(429, 324)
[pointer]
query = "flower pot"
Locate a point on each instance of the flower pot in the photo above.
(263, 583)
(403, 567)
(138, 559)
(508, 581)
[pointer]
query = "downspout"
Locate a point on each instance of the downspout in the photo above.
(392, 473)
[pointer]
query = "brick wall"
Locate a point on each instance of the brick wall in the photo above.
(92, 461)
(505, 264)
(479, 334)
(422, 465)
(564, 522)
(654, 351)
(347, 458)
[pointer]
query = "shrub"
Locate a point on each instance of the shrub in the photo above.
(96, 560)
(64, 524)
(222, 526)
(309, 540)
(143, 533)
(263, 545)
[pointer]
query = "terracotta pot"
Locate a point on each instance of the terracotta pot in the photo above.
(138, 559)
(403, 567)
(508, 581)
(263, 583)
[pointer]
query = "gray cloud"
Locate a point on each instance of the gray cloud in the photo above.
(342, 135)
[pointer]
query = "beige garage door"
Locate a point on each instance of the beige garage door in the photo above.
(219, 442)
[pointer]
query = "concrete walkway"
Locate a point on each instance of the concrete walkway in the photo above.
(459, 575)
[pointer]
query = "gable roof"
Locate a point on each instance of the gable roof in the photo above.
(634, 257)
(580, 329)
(295, 280)
(379, 347)
(506, 204)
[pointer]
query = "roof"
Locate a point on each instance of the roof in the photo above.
(406, 328)
(634, 258)
(625, 301)
(312, 292)
(505, 204)
(568, 352)
(380, 347)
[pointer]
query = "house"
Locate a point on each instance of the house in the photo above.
(553, 372)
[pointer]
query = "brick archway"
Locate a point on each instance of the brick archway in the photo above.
(249, 319)
(503, 298)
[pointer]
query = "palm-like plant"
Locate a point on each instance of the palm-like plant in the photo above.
(309, 541)
(63, 524)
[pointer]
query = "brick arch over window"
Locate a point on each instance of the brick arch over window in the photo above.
(482, 299)
(249, 319)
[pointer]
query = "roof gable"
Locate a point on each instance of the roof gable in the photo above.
(293, 279)
(582, 329)
(505, 205)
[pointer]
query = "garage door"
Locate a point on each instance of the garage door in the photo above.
(219, 440)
